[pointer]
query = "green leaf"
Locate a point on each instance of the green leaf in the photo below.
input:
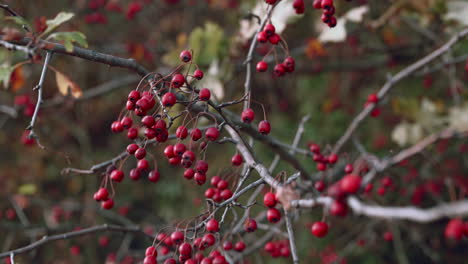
(18, 20)
(69, 38)
(27, 189)
(61, 18)
(5, 73)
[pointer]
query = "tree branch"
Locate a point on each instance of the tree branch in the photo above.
(392, 81)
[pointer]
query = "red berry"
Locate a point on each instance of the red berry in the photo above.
(348, 168)
(314, 148)
(177, 237)
(237, 160)
(320, 185)
(264, 127)
(273, 215)
(269, 29)
(130, 105)
(372, 98)
(454, 229)
(269, 199)
(262, 66)
(169, 151)
(132, 148)
(179, 149)
(319, 229)
(117, 175)
(239, 246)
(326, 4)
(226, 194)
(177, 80)
(149, 260)
(135, 174)
(332, 158)
(174, 161)
(201, 166)
(208, 240)
(196, 134)
(248, 115)
(160, 126)
(142, 165)
(212, 225)
(181, 132)
(227, 245)
(250, 225)
(189, 173)
(332, 22)
(107, 204)
(388, 236)
(143, 104)
(134, 95)
(185, 56)
(212, 133)
(204, 94)
(185, 249)
(132, 133)
(222, 184)
(153, 176)
(198, 74)
(199, 178)
(330, 11)
(338, 208)
(148, 121)
(289, 64)
(169, 99)
(126, 122)
(209, 193)
(117, 127)
(151, 252)
(350, 183)
(262, 37)
(317, 4)
(274, 39)
(321, 166)
(102, 194)
(140, 153)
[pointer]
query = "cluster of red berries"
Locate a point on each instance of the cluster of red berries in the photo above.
(248, 115)
(278, 249)
(273, 214)
(321, 160)
(328, 11)
(220, 190)
(191, 252)
(268, 34)
(373, 99)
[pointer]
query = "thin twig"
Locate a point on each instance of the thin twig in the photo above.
(85, 231)
(292, 240)
(39, 89)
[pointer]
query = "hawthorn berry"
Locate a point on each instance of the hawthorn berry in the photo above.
(199, 178)
(126, 122)
(132, 148)
(142, 165)
(177, 237)
(169, 99)
(270, 2)
(250, 225)
(148, 121)
(262, 37)
(196, 134)
(204, 94)
(264, 127)
(339, 208)
(348, 168)
(269, 199)
(332, 158)
(189, 173)
(102, 194)
(198, 74)
(185, 56)
(209, 193)
(117, 127)
(208, 240)
(373, 98)
(179, 149)
(226, 194)
(177, 80)
(239, 246)
(117, 175)
(153, 176)
(212, 133)
(454, 229)
(237, 160)
(212, 225)
(107, 204)
(140, 153)
(181, 132)
(350, 183)
(185, 249)
(134, 174)
(262, 66)
(149, 260)
(269, 29)
(274, 39)
(314, 148)
(320, 185)
(227, 245)
(151, 251)
(273, 215)
(319, 229)
(247, 115)
(134, 95)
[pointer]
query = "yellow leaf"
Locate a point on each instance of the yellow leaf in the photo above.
(67, 86)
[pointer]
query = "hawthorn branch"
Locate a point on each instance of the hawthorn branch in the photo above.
(391, 83)
(88, 54)
(292, 240)
(39, 89)
(410, 213)
(14, 47)
(68, 235)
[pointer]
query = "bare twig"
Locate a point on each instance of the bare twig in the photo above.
(85, 231)
(392, 81)
(292, 240)
(39, 89)
(11, 46)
